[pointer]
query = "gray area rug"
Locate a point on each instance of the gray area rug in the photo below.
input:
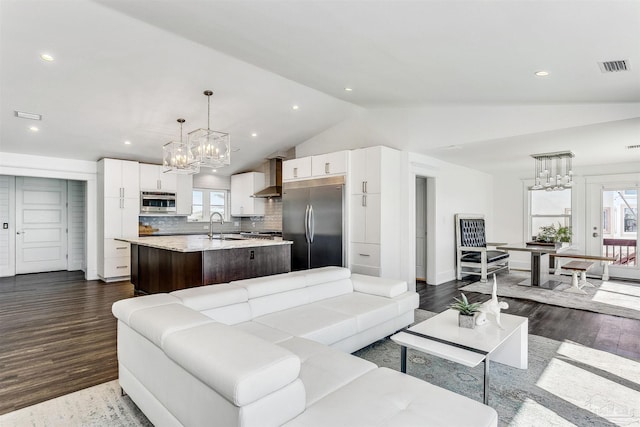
(618, 298)
(566, 384)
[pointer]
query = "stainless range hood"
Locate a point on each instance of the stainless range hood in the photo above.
(274, 188)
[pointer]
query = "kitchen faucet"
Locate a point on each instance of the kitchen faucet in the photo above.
(211, 225)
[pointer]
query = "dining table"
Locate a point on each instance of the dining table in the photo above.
(539, 262)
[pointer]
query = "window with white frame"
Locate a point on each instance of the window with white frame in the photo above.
(548, 208)
(207, 201)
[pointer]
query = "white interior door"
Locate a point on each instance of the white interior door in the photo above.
(41, 225)
(612, 226)
(421, 230)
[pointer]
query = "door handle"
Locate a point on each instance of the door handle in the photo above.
(364, 200)
(326, 168)
(306, 224)
(312, 223)
(595, 234)
(295, 172)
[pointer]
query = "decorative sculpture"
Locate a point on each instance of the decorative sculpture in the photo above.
(493, 306)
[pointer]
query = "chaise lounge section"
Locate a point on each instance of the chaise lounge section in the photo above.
(275, 351)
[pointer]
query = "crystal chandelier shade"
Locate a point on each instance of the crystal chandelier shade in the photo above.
(209, 148)
(177, 158)
(553, 171)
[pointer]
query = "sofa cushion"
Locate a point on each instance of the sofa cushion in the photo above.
(265, 332)
(378, 286)
(326, 290)
(156, 323)
(326, 274)
(368, 310)
(325, 369)
(211, 296)
(407, 302)
(230, 314)
(267, 285)
(124, 308)
(241, 367)
(312, 322)
(278, 302)
(384, 397)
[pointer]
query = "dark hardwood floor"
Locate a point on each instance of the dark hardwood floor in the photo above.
(613, 334)
(57, 333)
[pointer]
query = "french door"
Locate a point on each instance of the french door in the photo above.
(612, 226)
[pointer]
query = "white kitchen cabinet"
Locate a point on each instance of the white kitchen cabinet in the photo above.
(330, 164)
(184, 195)
(118, 209)
(120, 178)
(243, 187)
(296, 169)
(374, 178)
(365, 209)
(152, 178)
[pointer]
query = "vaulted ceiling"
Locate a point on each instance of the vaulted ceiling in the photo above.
(457, 74)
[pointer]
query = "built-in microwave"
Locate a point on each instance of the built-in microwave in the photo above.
(157, 202)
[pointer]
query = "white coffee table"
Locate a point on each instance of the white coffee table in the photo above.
(441, 336)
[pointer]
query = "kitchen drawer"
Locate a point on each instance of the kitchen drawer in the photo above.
(116, 248)
(117, 266)
(366, 270)
(365, 254)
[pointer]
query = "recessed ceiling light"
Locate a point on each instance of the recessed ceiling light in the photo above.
(34, 129)
(296, 107)
(47, 57)
(30, 116)
(127, 143)
(254, 134)
(542, 73)
(214, 170)
(348, 89)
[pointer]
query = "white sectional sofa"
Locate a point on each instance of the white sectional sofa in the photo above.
(275, 351)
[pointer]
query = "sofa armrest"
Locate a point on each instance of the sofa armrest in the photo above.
(378, 286)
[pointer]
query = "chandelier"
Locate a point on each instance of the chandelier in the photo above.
(176, 156)
(209, 148)
(554, 171)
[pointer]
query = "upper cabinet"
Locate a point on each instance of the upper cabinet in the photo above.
(152, 178)
(315, 166)
(296, 169)
(120, 178)
(330, 164)
(243, 187)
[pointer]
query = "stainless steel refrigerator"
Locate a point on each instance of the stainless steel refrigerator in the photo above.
(313, 218)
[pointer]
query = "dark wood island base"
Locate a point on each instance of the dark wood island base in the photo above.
(155, 270)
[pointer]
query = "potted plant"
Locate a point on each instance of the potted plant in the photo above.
(468, 311)
(552, 236)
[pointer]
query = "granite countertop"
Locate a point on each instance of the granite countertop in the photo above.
(200, 242)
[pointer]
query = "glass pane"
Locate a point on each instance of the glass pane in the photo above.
(217, 198)
(217, 209)
(620, 226)
(197, 198)
(197, 213)
(550, 202)
(537, 223)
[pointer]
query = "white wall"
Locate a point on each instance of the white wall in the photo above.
(50, 167)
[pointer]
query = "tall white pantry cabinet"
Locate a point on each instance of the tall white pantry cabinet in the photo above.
(118, 209)
(374, 205)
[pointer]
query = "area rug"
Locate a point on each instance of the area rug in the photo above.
(566, 384)
(618, 298)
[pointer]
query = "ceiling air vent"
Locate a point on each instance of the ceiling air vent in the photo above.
(633, 147)
(614, 66)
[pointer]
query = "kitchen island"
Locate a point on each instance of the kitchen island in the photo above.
(169, 263)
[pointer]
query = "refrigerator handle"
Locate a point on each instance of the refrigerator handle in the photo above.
(306, 224)
(312, 224)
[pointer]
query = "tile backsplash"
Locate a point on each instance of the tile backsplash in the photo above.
(272, 220)
(170, 224)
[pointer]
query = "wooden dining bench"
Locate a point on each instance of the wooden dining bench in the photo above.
(606, 259)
